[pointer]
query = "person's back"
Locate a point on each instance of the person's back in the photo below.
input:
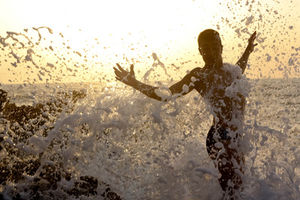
(224, 105)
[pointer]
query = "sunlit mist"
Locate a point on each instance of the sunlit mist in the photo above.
(91, 36)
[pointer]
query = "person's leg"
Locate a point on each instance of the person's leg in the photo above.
(231, 173)
(228, 161)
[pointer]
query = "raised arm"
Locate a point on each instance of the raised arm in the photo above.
(244, 59)
(178, 89)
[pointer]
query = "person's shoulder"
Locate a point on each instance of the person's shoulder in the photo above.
(233, 69)
(197, 71)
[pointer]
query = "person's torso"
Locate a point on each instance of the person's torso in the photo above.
(213, 87)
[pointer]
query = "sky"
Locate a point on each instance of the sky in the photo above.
(74, 41)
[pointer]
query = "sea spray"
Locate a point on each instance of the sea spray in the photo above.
(114, 142)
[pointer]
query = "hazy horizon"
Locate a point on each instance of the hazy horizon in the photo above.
(64, 46)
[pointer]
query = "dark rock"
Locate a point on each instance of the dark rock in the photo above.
(86, 186)
(50, 173)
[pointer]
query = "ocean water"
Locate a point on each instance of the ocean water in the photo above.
(115, 143)
(99, 141)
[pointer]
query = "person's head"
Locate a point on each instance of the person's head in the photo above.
(210, 46)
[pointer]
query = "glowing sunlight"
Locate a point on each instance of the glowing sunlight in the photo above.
(98, 34)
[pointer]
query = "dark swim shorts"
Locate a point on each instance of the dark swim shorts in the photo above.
(216, 133)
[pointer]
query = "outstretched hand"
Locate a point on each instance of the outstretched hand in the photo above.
(251, 44)
(125, 76)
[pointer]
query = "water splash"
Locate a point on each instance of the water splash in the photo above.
(113, 143)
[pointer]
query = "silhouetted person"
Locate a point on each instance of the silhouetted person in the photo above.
(211, 82)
